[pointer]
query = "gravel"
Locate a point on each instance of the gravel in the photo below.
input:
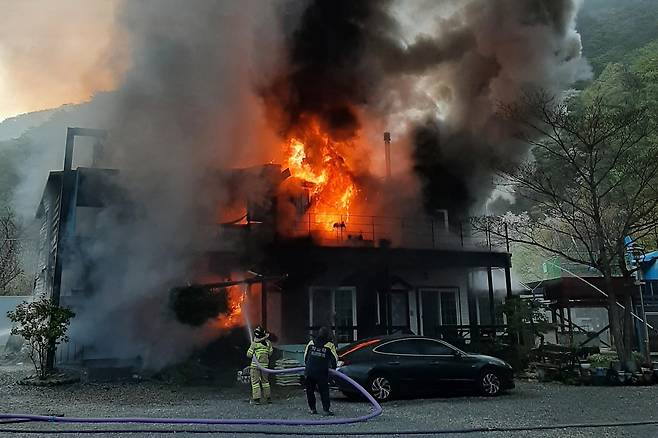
(530, 404)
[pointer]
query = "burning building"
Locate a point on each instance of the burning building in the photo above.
(264, 163)
(295, 255)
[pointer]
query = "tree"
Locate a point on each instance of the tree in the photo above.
(593, 181)
(611, 29)
(10, 266)
(526, 320)
(42, 324)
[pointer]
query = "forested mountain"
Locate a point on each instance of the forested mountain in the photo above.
(612, 29)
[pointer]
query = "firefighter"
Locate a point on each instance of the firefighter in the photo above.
(260, 350)
(320, 355)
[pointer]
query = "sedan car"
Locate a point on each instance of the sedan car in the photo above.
(389, 366)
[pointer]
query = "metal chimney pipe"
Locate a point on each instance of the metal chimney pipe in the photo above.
(387, 151)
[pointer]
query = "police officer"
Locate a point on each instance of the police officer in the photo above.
(261, 350)
(320, 355)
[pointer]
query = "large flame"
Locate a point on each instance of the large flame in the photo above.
(315, 157)
(233, 316)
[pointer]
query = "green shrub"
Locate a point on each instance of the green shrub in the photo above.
(42, 325)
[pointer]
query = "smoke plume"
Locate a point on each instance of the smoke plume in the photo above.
(185, 109)
(218, 84)
(435, 70)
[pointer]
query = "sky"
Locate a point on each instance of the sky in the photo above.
(56, 52)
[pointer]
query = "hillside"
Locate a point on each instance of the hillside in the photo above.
(14, 127)
(612, 29)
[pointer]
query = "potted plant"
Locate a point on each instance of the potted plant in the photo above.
(600, 365)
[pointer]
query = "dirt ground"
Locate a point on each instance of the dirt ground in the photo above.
(530, 404)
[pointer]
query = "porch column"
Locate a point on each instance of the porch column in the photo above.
(508, 281)
(570, 321)
(554, 320)
(492, 306)
(472, 311)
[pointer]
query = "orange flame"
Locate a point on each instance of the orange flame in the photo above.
(314, 157)
(233, 316)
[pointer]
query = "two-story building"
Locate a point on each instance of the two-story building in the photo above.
(361, 275)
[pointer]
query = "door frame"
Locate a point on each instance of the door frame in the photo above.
(332, 318)
(389, 309)
(439, 290)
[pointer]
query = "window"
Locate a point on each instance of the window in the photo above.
(334, 307)
(321, 308)
(344, 314)
(416, 347)
(448, 308)
(439, 307)
(399, 309)
(408, 346)
(435, 348)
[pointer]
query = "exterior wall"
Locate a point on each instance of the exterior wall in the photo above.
(376, 276)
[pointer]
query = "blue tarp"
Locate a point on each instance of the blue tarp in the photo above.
(649, 266)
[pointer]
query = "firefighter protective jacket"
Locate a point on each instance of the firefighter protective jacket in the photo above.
(319, 359)
(261, 350)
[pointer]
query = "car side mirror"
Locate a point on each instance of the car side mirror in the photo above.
(457, 353)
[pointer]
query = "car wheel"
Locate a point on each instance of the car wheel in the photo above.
(490, 383)
(380, 387)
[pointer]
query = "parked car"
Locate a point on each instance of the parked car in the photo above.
(391, 366)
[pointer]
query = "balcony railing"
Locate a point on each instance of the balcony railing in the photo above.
(377, 231)
(366, 231)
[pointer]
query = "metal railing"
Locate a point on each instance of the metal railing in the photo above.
(378, 231)
(461, 335)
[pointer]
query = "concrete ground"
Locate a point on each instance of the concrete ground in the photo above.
(530, 404)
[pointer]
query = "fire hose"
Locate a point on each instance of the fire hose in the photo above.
(376, 407)
(376, 411)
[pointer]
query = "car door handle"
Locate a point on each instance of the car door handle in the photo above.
(394, 363)
(435, 362)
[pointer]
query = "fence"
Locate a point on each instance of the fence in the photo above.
(376, 231)
(460, 335)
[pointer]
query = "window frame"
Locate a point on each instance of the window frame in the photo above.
(453, 349)
(332, 319)
(456, 291)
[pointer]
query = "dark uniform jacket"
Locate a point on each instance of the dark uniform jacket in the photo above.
(319, 357)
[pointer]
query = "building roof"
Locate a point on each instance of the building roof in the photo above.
(575, 292)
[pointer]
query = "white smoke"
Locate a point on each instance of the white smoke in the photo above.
(184, 110)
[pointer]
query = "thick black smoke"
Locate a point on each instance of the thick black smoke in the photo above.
(324, 76)
(442, 67)
(520, 46)
(338, 56)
